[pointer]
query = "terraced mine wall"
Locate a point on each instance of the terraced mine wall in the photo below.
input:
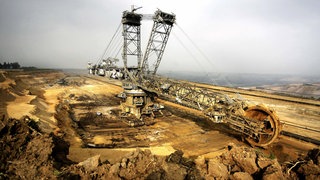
(47, 115)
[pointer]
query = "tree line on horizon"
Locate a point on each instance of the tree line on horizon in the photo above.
(7, 65)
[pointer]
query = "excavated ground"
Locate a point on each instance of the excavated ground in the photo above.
(51, 120)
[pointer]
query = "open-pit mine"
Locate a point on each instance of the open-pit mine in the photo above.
(131, 123)
(60, 125)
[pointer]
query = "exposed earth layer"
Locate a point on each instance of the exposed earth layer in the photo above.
(50, 120)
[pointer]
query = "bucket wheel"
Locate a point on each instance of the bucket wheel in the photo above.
(271, 125)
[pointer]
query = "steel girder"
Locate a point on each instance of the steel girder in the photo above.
(159, 36)
(132, 37)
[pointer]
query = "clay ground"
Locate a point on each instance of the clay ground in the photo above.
(83, 111)
(169, 133)
(289, 109)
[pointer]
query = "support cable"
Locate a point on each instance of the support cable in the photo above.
(195, 45)
(205, 57)
(118, 42)
(119, 50)
(194, 58)
(104, 52)
(188, 50)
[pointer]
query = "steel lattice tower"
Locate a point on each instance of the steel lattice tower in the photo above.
(132, 38)
(161, 29)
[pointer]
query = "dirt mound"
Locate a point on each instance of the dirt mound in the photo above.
(71, 81)
(5, 92)
(135, 165)
(2, 77)
(304, 168)
(6, 95)
(26, 153)
(20, 87)
(238, 162)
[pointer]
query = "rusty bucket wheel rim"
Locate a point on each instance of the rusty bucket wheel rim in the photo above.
(272, 128)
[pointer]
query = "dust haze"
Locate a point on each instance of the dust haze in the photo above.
(271, 37)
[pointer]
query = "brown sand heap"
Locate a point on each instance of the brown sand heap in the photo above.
(28, 153)
(135, 165)
(237, 162)
(25, 152)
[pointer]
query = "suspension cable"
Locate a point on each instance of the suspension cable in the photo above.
(118, 42)
(118, 51)
(195, 45)
(104, 52)
(187, 49)
(204, 56)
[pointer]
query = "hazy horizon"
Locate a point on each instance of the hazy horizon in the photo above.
(240, 36)
(231, 79)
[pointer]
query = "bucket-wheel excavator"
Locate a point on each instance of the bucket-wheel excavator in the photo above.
(260, 125)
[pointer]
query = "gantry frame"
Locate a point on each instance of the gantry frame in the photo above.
(159, 36)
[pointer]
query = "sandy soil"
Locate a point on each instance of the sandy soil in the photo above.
(163, 138)
(66, 106)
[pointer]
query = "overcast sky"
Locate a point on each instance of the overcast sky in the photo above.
(253, 36)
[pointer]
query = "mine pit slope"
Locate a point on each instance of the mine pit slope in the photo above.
(300, 117)
(74, 112)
